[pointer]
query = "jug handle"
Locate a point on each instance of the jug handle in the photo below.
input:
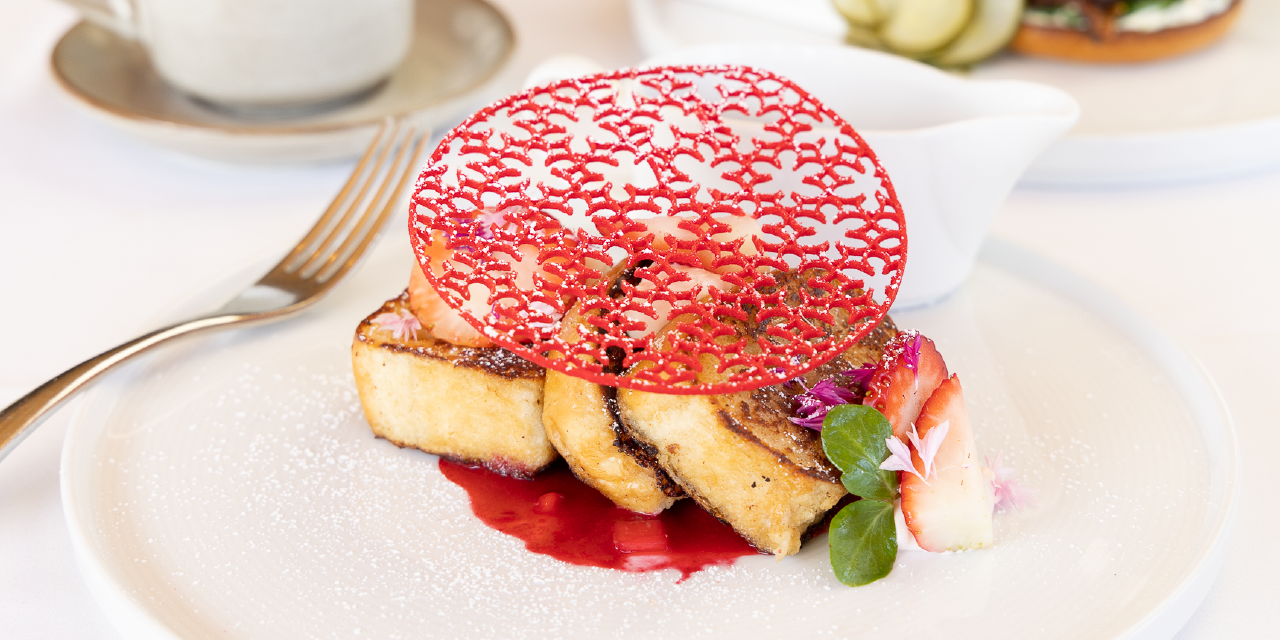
(116, 15)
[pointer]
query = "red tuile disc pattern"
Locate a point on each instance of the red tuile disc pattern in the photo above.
(700, 185)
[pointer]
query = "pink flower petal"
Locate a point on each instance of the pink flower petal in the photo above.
(929, 450)
(402, 326)
(899, 457)
(1005, 490)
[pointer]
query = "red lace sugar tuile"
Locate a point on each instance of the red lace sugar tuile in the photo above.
(701, 184)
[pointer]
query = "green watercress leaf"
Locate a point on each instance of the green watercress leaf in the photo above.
(853, 438)
(863, 542)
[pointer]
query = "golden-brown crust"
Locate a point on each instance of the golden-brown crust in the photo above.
(643, 454)
(581, 420)
(738, 455)
(480, 406)
(760, 415)
(492, 360)
(1123, 46)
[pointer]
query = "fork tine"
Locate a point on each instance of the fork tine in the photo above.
(307, 246)
(312, 265)
(369, 227)
(280, 292)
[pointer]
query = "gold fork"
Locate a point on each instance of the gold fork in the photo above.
(329, 251)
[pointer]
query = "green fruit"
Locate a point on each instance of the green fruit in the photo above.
(991, 28)
(862, 13)
(859, 36)
(920, 27)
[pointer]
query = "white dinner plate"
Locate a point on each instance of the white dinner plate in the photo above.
(1212, 113)
(228, 487)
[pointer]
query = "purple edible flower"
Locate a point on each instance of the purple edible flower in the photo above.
(814, 423)
(861, 377)
(816, 402)
(487, 219)
(911, 357)
(830, 394)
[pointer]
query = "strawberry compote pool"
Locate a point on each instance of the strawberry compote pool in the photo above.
(555, 514)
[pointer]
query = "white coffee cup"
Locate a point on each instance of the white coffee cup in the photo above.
(264, 53)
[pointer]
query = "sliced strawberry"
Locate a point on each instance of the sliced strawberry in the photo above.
(910, 369)
(437, 317)
(691, 277)
(950, 510)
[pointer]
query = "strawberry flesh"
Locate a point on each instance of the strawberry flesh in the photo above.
(438, 317)
(908, 372)
(952, 510)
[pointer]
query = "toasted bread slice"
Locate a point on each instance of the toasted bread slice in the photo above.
(582, 423)
(741, 458)
(479, 405)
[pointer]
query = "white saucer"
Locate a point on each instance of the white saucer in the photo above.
(459, 48)
(1212, 113)
(228, 487)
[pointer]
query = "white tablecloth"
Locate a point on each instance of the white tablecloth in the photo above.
(100, 233)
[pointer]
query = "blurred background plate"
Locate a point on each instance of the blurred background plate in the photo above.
(459, 49)
(1209, 114)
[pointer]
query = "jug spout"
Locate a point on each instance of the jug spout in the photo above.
(952, 147)
(952, 178)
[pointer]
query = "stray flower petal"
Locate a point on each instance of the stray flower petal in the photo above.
(899, 458)
(928, 446)
(1006, 491)
(814, 423)
(403, 325)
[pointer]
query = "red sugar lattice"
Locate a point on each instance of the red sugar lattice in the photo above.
(724, 199)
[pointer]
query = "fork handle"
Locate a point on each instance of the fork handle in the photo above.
(22, 417)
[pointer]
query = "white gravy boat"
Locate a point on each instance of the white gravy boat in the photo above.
(952, 147)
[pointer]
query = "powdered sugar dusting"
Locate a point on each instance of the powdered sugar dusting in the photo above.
(237, 492)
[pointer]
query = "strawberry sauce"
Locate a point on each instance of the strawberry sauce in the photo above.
(558, 515)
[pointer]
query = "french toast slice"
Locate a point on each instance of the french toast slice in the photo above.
(581, 419)
(478, 405)
(740, 457)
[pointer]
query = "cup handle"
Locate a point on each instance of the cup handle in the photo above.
(116, 15)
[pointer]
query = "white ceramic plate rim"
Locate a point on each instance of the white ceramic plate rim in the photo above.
(1202, 397)
(1204, 401)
